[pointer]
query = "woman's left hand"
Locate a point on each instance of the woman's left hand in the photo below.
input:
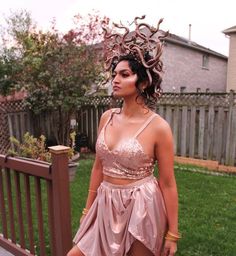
(170, 248)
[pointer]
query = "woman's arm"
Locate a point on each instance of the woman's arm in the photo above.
(95, 180)
(165, 156)
(96, 173)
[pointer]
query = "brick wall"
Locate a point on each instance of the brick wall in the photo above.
(183, 68)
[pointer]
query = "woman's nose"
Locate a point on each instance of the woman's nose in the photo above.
(115, 79)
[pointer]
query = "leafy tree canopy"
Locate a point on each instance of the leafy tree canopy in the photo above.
(54, 68)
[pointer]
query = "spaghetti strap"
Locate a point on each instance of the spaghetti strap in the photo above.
(144, 125)
(109, 118)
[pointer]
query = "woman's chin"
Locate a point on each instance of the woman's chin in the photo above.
(116, 95)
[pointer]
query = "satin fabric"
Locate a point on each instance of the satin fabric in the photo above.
(121, 214)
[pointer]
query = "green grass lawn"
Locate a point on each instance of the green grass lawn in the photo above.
(207, 210)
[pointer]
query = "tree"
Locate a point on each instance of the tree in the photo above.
(18, 26)
(55, 69)
(7, 83)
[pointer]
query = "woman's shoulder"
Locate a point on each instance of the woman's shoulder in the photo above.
(107, 114)
(160, 124)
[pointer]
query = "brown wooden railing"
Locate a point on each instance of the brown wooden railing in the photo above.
(35, 205)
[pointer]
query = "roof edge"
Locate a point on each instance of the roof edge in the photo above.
(196, 47)
(230, 30)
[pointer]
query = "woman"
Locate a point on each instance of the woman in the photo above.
(129, 211)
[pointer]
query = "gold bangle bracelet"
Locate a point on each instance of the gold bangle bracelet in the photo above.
(85, 211)
(92, 191)
(171, 239)
(177, 236)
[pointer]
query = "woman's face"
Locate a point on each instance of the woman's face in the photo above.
(124, 80)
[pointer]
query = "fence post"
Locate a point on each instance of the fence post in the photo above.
(61, 200)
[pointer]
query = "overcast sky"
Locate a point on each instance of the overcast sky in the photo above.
(207, 17)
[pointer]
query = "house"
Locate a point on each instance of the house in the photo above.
(190, 67)
(231, 70)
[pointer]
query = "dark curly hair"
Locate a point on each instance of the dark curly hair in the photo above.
(153, 91)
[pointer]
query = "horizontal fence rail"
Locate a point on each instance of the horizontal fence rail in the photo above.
(35, 206)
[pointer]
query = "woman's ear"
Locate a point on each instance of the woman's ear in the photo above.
(143, 86)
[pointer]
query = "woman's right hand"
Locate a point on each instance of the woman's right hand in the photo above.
(170, 248)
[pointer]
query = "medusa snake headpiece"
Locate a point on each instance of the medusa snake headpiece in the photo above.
(143, 41)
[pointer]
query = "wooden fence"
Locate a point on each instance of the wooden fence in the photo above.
(203, 124)
(35, 205)
(15, 120)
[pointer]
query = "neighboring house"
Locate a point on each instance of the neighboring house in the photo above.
(231, 71)
(190, 67)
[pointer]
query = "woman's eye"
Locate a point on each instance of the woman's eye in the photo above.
(121, 74)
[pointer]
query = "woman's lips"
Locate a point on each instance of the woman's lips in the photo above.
(116, 88)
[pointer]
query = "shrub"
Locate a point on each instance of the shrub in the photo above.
(34, 148)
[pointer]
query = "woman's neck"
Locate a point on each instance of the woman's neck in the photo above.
(134, 109)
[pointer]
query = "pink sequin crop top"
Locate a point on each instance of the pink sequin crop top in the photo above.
(128, 160)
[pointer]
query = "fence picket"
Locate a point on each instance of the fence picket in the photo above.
(175, 129)
(161, 111)
(201, 132)
(219, 134)
(184, 131)
(210, 132)
(168, 117)
(233, 138)
(228, 137)
(192, 132)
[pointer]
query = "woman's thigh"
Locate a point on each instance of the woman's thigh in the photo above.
(139, 249)
(75, 251)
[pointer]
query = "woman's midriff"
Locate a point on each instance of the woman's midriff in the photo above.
(118, 181)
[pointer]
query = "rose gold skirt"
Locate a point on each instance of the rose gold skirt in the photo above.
(122, 214)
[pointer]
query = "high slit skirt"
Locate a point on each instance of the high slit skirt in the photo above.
(122, 214)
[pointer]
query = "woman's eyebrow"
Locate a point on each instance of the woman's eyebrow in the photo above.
(123, 70)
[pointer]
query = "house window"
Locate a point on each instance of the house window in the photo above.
(182, 89)
(205, 61)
